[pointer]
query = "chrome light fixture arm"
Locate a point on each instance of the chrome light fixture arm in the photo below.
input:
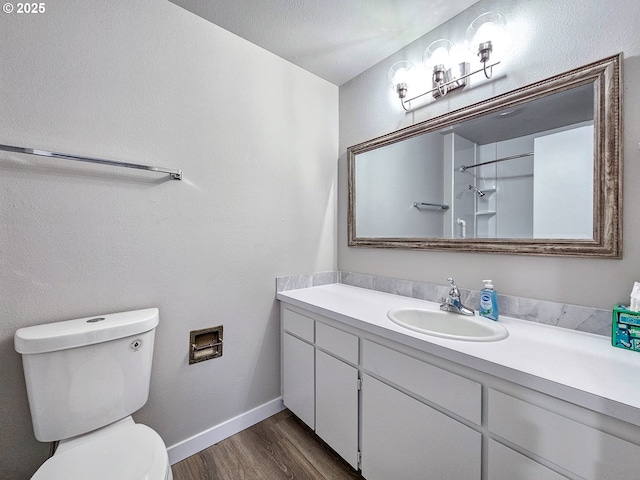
(445, 87)
(484, 52)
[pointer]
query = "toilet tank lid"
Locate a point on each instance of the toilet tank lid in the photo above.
(84, 331)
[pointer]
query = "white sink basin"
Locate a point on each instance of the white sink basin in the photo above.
(448, 325)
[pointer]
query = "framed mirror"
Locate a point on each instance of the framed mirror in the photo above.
(536, 171)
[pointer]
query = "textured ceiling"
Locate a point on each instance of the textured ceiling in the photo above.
(334, 39)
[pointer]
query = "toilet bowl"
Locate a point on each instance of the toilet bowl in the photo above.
(85, 378)
(124, 450)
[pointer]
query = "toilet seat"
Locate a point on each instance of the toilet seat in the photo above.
(122, 451)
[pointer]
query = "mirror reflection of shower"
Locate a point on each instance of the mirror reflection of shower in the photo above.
(463, 227)
(477, 190)
(471, 187)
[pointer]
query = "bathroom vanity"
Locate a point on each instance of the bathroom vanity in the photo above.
(545, 403)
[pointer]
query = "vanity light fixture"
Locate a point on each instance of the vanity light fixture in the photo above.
(449, 71)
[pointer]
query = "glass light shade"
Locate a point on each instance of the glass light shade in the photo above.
(400, 72)
(488, 27)
(459, 54)
(437, 53)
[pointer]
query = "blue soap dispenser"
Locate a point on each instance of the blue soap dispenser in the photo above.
(488, 301)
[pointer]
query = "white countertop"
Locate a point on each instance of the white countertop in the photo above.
(579, 367)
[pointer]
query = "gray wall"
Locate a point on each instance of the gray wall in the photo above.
(148, 82)
(549, 37)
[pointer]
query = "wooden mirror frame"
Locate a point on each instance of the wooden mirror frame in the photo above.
(605, 75)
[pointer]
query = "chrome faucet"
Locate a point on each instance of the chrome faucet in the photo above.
(452, 303)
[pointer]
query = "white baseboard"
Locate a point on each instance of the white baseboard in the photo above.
(213, 435)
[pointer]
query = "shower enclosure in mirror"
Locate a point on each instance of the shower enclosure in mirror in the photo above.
(534, 171)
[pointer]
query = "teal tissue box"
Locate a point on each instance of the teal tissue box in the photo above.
(625, 328)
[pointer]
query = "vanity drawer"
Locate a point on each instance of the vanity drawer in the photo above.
(507, 464)
(585, 451)
(297, 324)
(453, 392)
(341, 344)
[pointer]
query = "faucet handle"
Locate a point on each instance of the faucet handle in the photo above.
(454, 292)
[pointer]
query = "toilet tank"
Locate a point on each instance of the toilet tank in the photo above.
(86, 373)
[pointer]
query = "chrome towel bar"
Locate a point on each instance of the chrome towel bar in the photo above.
(424, 204)
(174, 174)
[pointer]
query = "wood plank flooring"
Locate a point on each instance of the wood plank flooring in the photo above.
(280, 447)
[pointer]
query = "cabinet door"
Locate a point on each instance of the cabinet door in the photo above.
(297, 381)
(581, 449)
(337, 406)
(404, 438)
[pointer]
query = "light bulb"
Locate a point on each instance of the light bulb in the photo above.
(486, 33)
(400, 72)
(437, 53)
(458, 54)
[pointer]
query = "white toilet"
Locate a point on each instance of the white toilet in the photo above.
(85, 378)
